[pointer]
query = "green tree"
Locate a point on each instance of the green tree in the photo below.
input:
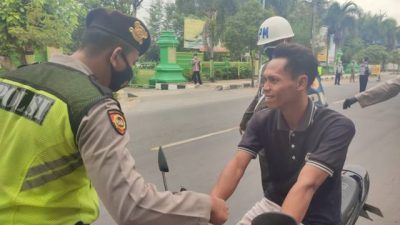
(389, 28)
(394, 58)
(340, 19)
(300, 20)
(241, 30)
(154, 23)
(351, 47)
(376, 54)
(377, 29)
(26, 25)
(128, 7)
(214, 12)
(282, 8)
(370, 28)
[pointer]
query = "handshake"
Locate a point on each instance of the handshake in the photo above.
(348, 102)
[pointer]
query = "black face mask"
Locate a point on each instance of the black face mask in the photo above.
(269, 51)
(120, 79)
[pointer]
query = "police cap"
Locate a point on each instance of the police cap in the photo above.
(130, 29)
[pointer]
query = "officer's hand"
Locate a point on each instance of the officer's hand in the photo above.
(348, 102)
(219, 211)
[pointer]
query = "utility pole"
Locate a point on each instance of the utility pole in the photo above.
(314, 11)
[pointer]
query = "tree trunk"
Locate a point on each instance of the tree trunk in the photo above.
(5, 63)
(252, 68)
(21, 56)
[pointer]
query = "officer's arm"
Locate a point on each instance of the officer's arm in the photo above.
(299, 197)
(248, 114)
(231, 175)
(127, 196)
(379, 93)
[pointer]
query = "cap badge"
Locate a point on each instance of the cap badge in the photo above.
(138, 32)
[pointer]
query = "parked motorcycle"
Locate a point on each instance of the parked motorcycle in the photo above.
(355, 188)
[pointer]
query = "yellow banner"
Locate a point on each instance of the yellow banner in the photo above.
(193, 33)
(375, 69)
(323, 55)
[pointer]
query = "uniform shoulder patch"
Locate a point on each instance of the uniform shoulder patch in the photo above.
(117, 120)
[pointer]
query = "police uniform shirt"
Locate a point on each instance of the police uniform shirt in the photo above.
(111, 168)
(321, 140)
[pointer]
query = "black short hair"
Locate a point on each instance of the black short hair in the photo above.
(95, 41)
(300, 60)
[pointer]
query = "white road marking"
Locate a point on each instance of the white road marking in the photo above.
(195, 138)
(338, 102)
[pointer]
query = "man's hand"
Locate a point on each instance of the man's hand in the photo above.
(348, 102)
(219, 211)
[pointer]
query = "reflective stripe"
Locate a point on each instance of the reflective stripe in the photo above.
(55, 174)
(52, 165)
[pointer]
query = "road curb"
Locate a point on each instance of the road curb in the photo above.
(232, 86)
(166, 86)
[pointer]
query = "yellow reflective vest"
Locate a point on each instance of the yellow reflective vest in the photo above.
(42, 177)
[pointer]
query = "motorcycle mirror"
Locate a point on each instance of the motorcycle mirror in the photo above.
(273, 218)
(162, 161)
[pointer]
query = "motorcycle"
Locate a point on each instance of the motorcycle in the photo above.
(355, 188)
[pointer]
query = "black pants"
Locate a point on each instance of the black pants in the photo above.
(337, 78)
(196, 77)
(363, 82)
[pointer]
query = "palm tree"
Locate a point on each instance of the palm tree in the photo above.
(340, 19)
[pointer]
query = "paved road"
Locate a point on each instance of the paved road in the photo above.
(200, 113)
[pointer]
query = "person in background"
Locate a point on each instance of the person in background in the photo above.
(196, 70)
(63, 138)
(338, 72)
(352, 72)
(364, 74)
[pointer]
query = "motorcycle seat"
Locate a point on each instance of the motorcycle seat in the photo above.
(351, 193)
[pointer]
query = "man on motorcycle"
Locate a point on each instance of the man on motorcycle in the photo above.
(63, 139)
(302, 147)
(273, 31)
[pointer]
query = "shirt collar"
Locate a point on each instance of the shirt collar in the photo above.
(76, 64)
(306, 121)
(71, 62)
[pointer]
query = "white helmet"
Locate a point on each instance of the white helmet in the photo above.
(273, 29)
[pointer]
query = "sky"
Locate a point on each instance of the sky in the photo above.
(390, 7)
(142, 12)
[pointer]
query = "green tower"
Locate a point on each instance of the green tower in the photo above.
(168, 71)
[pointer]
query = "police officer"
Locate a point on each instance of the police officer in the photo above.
(63, 138)
(272, 32)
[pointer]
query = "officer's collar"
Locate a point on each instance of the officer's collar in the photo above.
(71, 62)
(306, 121)
(76, 64)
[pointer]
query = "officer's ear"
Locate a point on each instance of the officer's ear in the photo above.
(115, 60)
(302, 82)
